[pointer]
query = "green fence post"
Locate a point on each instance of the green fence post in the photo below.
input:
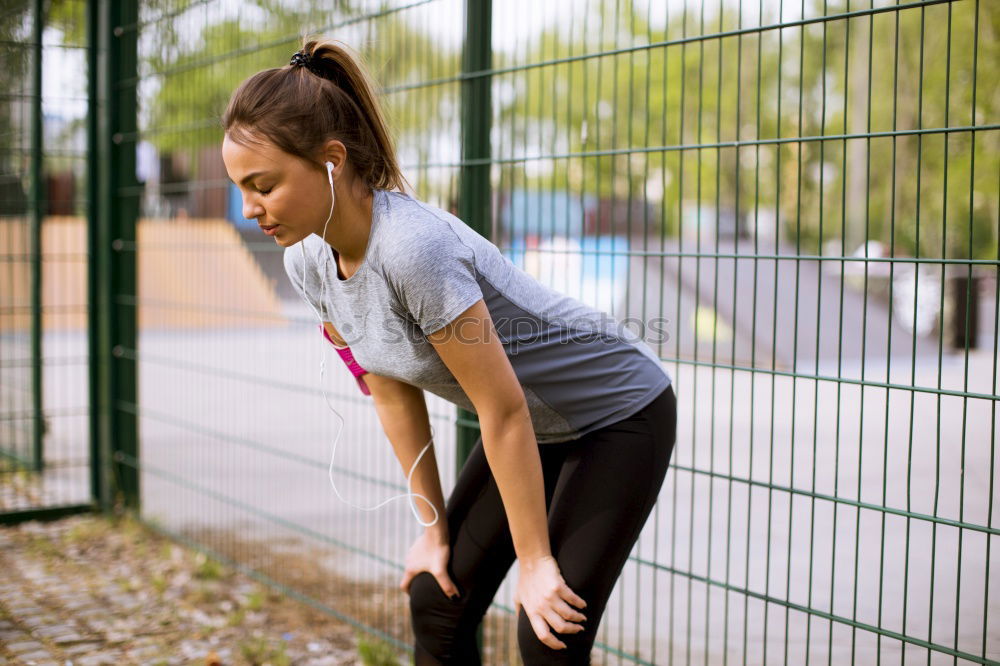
(97, 485)
(114, 301)
(474, 191)
(35, 239)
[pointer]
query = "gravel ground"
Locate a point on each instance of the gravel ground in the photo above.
(90, 590)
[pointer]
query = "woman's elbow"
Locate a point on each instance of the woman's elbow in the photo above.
(504, 416)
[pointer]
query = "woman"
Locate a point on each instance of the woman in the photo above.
(577, 422)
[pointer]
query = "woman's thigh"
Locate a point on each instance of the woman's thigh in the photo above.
(477, 522)
(605, 490)
(482, 552)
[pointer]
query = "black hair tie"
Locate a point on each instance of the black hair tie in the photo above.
(303, 59)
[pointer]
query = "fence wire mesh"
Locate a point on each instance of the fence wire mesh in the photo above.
(44, 364)
(795, 204)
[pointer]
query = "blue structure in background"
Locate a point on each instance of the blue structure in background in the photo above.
(542, 214)
(597, 265)
(553, 223)
(545, 213)
(234, 209)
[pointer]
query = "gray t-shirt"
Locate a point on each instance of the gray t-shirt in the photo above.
(579, 368)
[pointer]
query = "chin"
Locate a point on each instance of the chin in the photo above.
(286, 239)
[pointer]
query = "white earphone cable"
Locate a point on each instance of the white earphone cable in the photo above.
(322, 367)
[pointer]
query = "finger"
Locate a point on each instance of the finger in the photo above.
(560, 625)
(568, 612)
(543, 633)
(572, 597)
(447, 586)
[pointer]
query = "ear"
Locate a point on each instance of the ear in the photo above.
(335, 151)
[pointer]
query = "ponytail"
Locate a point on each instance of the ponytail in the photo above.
(299, 109)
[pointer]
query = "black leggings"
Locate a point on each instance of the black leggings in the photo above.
(599, 490)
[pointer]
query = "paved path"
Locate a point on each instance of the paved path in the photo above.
(82, 592)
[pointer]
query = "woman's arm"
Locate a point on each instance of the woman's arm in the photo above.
(470, 347)
(403, 412)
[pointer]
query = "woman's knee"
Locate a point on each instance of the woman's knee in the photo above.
(431, 609)
(437, 621)
(534, 652)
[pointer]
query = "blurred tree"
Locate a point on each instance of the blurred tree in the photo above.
(894, 71)
(925, 75)
(697, 97)
(190, 80)
(15, 34)
(15, 31)
(69, 17)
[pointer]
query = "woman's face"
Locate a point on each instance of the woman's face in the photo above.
(279, 190)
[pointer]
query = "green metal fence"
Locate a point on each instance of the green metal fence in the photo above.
(796, 205)
(45, 457)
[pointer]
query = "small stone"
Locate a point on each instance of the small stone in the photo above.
(37, 621)
(99, 659)
(125, 601)
(55, 630)
(331, 660)
(77, 604)
(98, 613)
(24, 646)
(82, 648)
(144, 651)
(17, 610)
(33, 657)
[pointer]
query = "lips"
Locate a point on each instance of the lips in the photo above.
(268, 228)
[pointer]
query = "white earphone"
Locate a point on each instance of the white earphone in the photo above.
(326, 398)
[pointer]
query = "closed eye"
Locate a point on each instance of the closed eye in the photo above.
(264, 192)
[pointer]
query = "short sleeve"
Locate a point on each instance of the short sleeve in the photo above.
(434, 276)
(294, 269)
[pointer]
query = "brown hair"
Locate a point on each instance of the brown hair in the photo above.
(300, 108)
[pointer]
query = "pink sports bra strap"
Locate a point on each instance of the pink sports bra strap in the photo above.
(348, 357)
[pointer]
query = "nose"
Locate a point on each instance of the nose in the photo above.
(251, 208)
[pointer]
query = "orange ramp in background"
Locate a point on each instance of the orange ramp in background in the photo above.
(193, 273)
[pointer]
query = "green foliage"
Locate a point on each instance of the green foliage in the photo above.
(160, 583)
(236, 617)
(944, 191)
(375, 652)
(255, 600)
(70, 18)
(258, 650)
(15, 26)
(43, 547)
(208, 568)
(698, 99)
(196, 84)
(698, 125)
(195, 78)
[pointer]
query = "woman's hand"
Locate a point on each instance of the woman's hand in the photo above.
(544, 595)
(429, 553)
